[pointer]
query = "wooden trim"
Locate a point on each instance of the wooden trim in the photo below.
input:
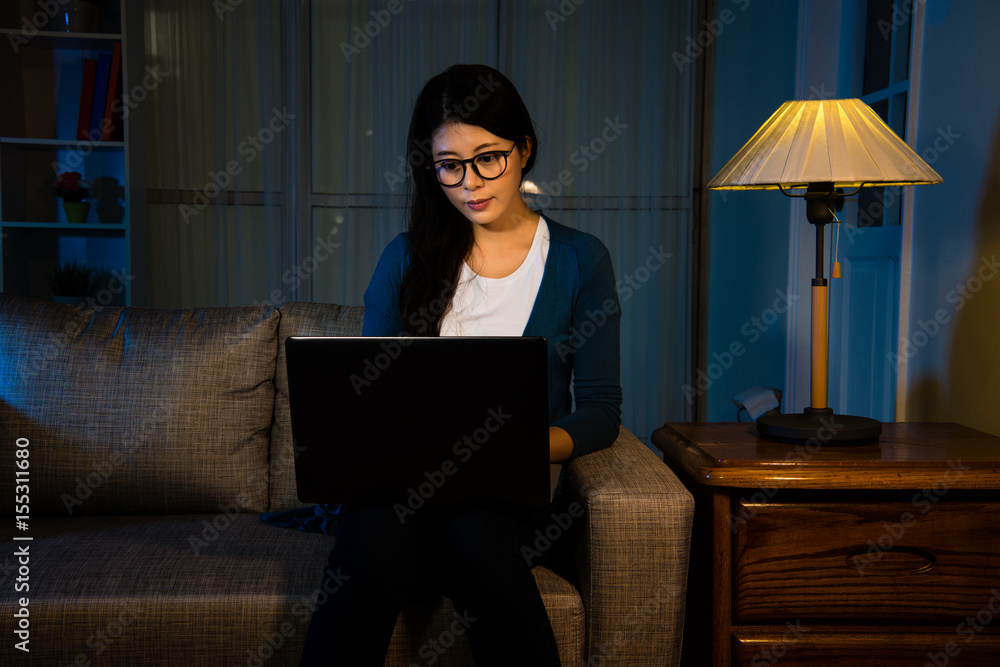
(227, 197)
(908, 456)
(722, 579)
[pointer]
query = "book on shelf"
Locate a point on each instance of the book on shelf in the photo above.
(100, 95)
(112, 127)
(100, 119)
(86, 98)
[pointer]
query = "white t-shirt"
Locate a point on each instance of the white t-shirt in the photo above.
(498, 306)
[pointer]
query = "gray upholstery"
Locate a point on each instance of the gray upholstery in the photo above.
(138, 411)
(632, 563)
(170, 429)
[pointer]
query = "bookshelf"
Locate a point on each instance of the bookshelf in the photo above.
(42, 72)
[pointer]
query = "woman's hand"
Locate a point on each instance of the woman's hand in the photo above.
(560, 444)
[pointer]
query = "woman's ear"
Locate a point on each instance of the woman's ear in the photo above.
(525, 151)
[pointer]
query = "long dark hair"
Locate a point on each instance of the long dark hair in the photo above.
(440, 236)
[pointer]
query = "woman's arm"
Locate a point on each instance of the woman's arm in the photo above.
(596, 343)
(382, 317)
(560, 445)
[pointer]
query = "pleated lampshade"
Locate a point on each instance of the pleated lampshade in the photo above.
(843, 142)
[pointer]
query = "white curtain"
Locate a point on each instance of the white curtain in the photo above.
(219, 127)
(617, 115)
(614, 115)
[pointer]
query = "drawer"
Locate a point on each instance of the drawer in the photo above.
(809, 647)
(891, 562)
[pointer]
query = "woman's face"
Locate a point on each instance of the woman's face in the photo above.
(482, 201)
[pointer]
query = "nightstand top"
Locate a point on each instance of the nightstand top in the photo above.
(910, 455)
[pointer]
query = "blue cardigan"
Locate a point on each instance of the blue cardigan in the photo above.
(576, 311)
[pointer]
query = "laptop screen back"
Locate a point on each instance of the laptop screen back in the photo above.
(414, 420)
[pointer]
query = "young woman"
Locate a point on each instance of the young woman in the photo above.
(476, 261)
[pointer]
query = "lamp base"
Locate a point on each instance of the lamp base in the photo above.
(820, 425)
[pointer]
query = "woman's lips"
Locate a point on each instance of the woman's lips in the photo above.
(478, 204)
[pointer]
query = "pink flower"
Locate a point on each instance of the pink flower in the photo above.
(71, 187)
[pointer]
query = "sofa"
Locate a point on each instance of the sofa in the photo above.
(138, 448)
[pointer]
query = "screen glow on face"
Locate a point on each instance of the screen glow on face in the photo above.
(478, 171)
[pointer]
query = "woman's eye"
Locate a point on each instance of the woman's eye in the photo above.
(450, 166)
(488, 158)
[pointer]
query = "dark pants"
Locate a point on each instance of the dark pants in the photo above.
(478, 556)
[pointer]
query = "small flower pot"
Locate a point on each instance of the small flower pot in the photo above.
(76, 211)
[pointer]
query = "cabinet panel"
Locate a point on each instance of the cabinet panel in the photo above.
(810, 646)
(919, 562)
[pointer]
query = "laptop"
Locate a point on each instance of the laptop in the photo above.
(414, 421)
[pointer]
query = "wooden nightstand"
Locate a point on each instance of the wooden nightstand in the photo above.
(882, 554)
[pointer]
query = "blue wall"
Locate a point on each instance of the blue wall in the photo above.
(954, 367)
(748, 230)
(953, 307)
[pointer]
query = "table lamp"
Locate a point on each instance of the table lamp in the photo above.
(822, 146)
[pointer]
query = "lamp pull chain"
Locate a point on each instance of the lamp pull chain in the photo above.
(835, 269)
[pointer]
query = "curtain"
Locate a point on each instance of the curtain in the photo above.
(219, 126)
(365, 77)
(309, 216)
(617, 117)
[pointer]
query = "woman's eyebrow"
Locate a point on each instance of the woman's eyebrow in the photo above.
(474, 150)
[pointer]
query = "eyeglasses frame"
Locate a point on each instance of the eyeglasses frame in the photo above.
(472, 161)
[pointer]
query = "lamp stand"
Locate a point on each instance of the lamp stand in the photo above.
(818, 423)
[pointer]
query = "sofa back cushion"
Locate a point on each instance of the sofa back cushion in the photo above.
(137, 410)
(299, 319)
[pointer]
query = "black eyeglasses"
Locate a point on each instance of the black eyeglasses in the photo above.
(450, 172)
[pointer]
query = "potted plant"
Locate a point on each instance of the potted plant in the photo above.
(109, 195)
(73, 190)
(72, 282)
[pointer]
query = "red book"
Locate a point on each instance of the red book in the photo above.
(100, 95)
(112, 121)
(86, 99)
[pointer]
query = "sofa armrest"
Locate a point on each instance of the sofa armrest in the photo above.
(632, 558)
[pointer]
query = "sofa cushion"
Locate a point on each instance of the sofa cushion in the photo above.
(208, 590)
(194, 589)
(136, 410)
(299, 319)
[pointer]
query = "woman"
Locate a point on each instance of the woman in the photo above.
(476, 261)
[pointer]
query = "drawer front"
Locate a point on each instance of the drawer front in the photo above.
(861, 562)
(809, 647)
